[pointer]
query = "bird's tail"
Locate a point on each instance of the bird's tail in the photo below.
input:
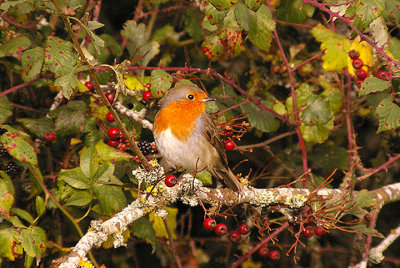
(229, 179)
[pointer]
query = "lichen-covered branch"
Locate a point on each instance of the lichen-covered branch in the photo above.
(375, 254)
(190, 191)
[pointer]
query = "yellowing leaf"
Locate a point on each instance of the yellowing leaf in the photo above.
(336, 48)
(365, 51)
(133, 83)
(75, 141)
(159, 226)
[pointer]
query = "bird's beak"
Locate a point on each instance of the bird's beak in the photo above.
(207, 99)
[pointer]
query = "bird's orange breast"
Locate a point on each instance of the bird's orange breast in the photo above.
(180, 117)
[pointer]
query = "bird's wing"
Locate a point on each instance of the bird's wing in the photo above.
(211, 135)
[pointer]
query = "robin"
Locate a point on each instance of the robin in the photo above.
(187, 137)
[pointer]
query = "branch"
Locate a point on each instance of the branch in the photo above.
(190, 191)
(375, 255)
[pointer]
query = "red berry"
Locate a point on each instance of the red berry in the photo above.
(170, 180)
(89, 85)
(383, 75)
(263, 251)
(353, 54)
(221, 229)
(274, 255)
(110, 96)
(148, 86)
(146, 95)
(361, 74)
(112, 143)
(229, 145)
(114, 133)
(49, 136)
(209, 223)
(244, 229)
(235, 236)
(357, 63)
(110, 117)
(358, 83)
(319, 231)
(308, 232)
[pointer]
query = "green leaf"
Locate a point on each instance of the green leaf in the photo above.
(261, 120)
(389, 115)
(317, 110)
(108, 153)
(75, 178)
(9, 4)
(365, 199)
(372, 85)
(294, 11)
(363, 229)
(32, 62)
(67, 82)
(317, 133)
(111, 198)
(112, 45)
(243, 16)
(234, 42)
(93, 25)
(89, 162)
(261, 28)
(253, 4)
(33, 241)
(334, 97)
(105, 175)
(160, 81)
(366, 11)
(70, 118)
(137, 44)
(213, 17)
(5, 109)
(37, 126)
(394, 47)
(158, 223)
(336, 48)
(222, 4)
(184, 82)
(6, 198)
(9, 245)
(79, 199)
(393, 10)
(23, 214)
(59, 56)
(40, 206)
(205, 177)
(143, 229)
(14, 45)
(329, 157)
(213, 48)
(18, 145)
(192, 23)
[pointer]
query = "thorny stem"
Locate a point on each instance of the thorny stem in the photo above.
(283, 227)
(384, 166)
(349, 124)
(269, 141)
(297, 121)
(103, 98)
(7, 91)
(369, 240)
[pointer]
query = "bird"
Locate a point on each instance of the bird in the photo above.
(187, 138)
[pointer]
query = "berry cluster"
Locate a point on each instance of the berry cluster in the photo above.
(221, 229)
(2, 131)
(145, 147)
(274, 255)
(116, 139)
(309, 231)
(3, 151)
(11, 168)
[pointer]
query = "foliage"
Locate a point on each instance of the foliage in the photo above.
(287, 93)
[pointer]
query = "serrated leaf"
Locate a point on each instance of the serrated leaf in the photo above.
(79, 199)
(112, 45)
(372, 85)
(205, 177)
(389, 115)
(93, 25)
(9, 245)
(261, 27)
(317, 133)
(213, 47)
(184, 82)
(394, 47)
(213, 16)
(75, 178)
(5, 109)
(137, 43)
(379, 31)
(105, 175)
(334, 97)
(9, 4)
(14, 45)
(59, 57)
(160, 81)
(294, 11)
(67, 82)
(366, 11)
(143, 229)
(37, 126)
(261, 120)
(316, 110)
(336, 48)
(39, 205)
(108, 153)
(22, 214)
(33, 240)
(159, 226)
(70, 118)
(393, 8)
(89, 162)
(6, 199)
(192, 23)
(234, 42)
(32, 62)
(365, 199)
(18, 145)
(222, 4)
(243, 16)
(363, 229)
(97, 41)
(330, 157)
(111, 198)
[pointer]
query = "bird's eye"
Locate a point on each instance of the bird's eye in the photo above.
(190, 97)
